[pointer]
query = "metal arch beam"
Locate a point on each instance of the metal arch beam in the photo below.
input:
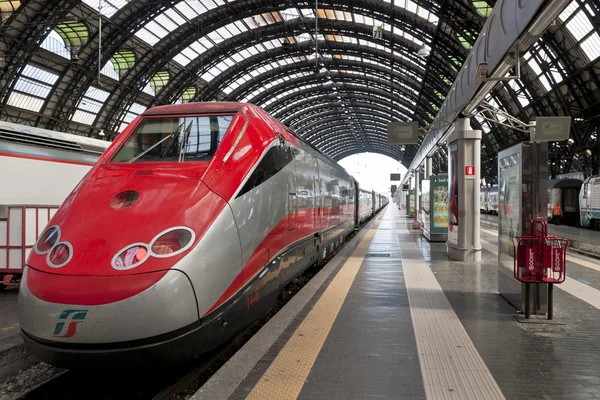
(326, 134)
(282, 103)
(115, 35)
(231, 75)
(317, 103)
(30, 21)
(373, 86)
(328, 116)
(182, 37)
(337, 83)
(304, 66)
(316, 135)
(315, 112)
(371, 8)
(325, 109)
(340, 77)
(280, 31)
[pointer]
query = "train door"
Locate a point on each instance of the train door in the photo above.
(292, 201)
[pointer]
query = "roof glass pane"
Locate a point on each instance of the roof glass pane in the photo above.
(545, 82)
(482, 8)
(110, 71)
(24, 101)
(84, 117)
(569, 10)
(579, 25)
(90, 105)
(55, 43)
(107, 7)
(135, 110)
(32, 88)
(591, 46)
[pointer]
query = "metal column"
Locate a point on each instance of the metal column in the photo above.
(464, 168)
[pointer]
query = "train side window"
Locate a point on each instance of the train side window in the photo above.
(274, 161)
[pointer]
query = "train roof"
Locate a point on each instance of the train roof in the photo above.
(37, 137)
(194, 108)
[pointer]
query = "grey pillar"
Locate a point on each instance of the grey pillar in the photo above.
(464, 150)
(428, 168)
(417, 188)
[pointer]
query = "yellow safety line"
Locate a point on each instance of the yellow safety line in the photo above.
(10, 327)
(286, 376)
(576, 260)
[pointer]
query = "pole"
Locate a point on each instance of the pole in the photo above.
(99, 40)
(527, 305)
(550, 300)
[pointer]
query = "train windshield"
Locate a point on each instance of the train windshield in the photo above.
(174, 139)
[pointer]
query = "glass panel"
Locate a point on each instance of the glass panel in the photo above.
(32, 88)
(109, 7)
(174, 139)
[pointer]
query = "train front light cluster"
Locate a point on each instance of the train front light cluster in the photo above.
(58, 254)
(168, 243)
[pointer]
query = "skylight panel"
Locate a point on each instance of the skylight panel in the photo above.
(308, 13)
(56, 45)
(579, 25)
(290, 14)
(169, 20)
(32, 88)
(591, 46)
(197, 47)
(568, 11)
(545, 82)
(109, 7)
(534, 66)
(182, 59)
(90, 105)
(411, 6)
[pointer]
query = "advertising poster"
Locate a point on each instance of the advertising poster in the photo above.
(453, 193)
(440, 204)
(426, 204)
(411, 203)
(509, 208)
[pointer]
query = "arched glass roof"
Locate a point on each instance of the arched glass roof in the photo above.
(255, 50)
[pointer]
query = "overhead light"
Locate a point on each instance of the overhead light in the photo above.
(101, 133)
(424, 52)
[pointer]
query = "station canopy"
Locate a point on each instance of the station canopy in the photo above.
(336, 72)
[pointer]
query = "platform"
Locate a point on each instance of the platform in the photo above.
(581, 240)
(390, 317)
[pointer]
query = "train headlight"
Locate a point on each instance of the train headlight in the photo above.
(130, 257)
(124, 199)
(60, 255)
(172, 242)
(47, 240)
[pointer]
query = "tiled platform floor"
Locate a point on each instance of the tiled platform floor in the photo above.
(416, 325)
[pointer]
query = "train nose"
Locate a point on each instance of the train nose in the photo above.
(104, 309)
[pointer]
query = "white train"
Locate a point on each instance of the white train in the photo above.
(38, 169)
(589, 202)
(488, 200)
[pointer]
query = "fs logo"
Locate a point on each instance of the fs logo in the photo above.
(70, 318)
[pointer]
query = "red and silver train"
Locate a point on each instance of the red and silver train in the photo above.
(183, 233)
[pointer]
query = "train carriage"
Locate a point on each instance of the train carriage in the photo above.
(183, 233)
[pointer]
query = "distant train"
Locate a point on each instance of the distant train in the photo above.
(182, 234)
(488, 200)
(589, 202)
(38, 170)
(565, 193)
